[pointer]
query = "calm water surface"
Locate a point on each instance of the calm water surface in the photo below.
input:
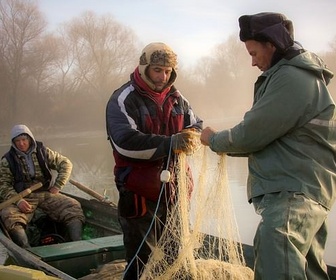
(93, 165)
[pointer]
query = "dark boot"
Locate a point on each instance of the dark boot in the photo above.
(19, 236)
(74, 228)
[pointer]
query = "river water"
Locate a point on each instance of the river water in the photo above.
(93, 166)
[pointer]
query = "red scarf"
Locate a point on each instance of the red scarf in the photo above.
(157, 96)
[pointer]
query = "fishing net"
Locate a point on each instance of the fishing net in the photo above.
(201, 238)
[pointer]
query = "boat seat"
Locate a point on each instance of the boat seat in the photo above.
(55, 252)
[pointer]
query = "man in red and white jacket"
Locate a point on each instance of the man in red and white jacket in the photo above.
(148, 120)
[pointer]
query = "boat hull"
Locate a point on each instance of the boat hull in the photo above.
(102, 243)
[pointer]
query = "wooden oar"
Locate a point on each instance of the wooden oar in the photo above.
(91, 192)
(20, 195)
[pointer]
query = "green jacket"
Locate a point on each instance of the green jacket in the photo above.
(289, 135)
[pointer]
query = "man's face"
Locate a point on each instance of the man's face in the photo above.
(22, 143)
(159, 75)
(261, 53)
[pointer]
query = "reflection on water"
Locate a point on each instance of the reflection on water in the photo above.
(92, 159)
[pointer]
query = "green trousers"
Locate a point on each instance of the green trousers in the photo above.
(290, 239)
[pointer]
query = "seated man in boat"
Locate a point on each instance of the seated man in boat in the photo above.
(29, 162)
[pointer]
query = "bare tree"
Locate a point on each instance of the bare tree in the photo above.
(41, 63)
(65, 80)
(21, 23)
(227, 76)
(203, 69)
(329, 58)
(103, 52)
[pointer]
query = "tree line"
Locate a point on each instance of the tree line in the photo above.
(61, 80)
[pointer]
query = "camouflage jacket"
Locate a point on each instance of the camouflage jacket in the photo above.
(55, 161)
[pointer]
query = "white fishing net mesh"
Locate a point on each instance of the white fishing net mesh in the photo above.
(187, 249)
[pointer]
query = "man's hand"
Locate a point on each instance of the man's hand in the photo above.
(185, 141)
(206, 134)
(54, 190)
(24, 206)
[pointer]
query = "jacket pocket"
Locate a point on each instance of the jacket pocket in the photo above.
(131, 205)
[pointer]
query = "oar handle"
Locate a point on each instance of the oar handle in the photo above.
(91, 192)
(20, 195)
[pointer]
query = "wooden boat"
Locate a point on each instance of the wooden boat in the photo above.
(102, 243)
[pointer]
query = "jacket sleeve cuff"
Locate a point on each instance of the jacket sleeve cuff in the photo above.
(17, 203)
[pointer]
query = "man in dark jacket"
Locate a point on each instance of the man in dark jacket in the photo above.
(29, 162)
(148, 120)
(289, 137)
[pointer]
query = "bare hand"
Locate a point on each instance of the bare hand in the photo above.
(54, 190)
(186, 141)
(24, 206)
(206, 134)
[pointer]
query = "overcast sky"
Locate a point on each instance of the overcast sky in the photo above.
(194, 27)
